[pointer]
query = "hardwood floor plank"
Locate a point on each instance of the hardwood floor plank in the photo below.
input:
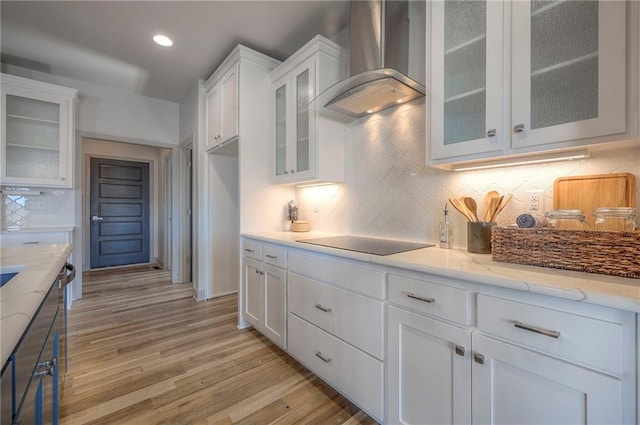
(142, 351)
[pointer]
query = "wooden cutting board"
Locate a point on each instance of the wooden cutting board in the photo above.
(598, 190)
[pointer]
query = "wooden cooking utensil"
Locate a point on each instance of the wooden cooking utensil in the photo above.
(472, 206)
(503, 203)
(494, 204)
(462, 209)
(487, 199)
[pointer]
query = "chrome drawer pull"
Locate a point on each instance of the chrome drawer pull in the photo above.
(325, 309)
(478, 358)
(425, 299)
(250, 250)
(460, 350)
(545, 332)
(323, 358)
(273, 257)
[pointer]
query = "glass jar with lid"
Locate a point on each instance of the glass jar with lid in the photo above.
(566, 219)
(618, 219)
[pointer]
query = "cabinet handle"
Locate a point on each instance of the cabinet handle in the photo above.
(257, 271)
(424, 299)
(48, 364)
(541, 331)
(325, 309)
(249, 250)
(519, 128)
(491, 133)
(293, 171)
(273, 257)
(286, 172)
(30, 243)
(323, 358)
(460, 350)
(479, 358)
(63, 178)
(41, 373)
(261, 273)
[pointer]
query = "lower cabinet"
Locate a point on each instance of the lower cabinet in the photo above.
(513, 385)
(429, 370)
(264, 291)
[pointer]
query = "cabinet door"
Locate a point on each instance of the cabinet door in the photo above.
(36, 138)
(466, 78)
(512, 385)
(214, 104)
(280, 89)
(274, 304)
(252, 290)
(303, 157)
(568, 69)
(429, 370)
(229, 110)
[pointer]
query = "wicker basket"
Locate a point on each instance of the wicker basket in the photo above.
(611, 253)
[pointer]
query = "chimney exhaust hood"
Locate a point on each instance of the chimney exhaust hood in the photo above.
(386, 60)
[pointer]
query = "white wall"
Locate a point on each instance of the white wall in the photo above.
(130, 152)
(389, 192)
(110, 113)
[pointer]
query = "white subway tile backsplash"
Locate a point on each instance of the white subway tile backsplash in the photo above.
(389, 192)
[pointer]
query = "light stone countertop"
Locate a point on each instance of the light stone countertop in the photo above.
(22, 295)
(608, 291)
(10, 230)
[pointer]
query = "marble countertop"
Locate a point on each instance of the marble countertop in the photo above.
(608, 291)
(22, 295)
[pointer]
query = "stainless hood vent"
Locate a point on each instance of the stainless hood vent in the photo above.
(386, 59)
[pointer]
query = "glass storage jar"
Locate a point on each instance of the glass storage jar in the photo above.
(566, 220)
(620, 219)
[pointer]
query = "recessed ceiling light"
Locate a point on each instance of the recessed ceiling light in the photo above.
(162, 40)
(399, 100)
(369, 111)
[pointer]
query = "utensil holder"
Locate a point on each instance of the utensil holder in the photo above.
(479, 237)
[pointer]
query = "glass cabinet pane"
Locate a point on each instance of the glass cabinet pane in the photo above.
(302, 121)
(281, 130)
(32, 137)
(464, 70)
(564, 62)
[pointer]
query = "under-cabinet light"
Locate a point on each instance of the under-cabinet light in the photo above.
(315, 184)
(528, 160)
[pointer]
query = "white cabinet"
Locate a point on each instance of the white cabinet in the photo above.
(525, 360)
(222, 108)
(35, 238)
(429, 370)
(38, 129)
(564, 70)
(306, 145)
(264, 290)
(336, 325)
(512, 385)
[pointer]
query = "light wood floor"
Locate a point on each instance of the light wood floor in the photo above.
(141, 351)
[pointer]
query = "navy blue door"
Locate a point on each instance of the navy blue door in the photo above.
(119, 212)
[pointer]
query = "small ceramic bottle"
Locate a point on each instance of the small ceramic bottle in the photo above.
(446, 231)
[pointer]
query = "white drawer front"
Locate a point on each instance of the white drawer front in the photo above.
(34, 238)
(274, 255)
(344, 274)
(430, 298)
(356, 375)
(252, 249)
(587, 340)
(354, 318)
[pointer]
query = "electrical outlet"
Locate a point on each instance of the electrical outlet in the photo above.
(535, 201)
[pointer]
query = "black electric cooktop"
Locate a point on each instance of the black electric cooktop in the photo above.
(367, 245)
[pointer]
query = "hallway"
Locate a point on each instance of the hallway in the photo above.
(142, 351)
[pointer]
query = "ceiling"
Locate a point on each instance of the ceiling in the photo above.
(110, 42)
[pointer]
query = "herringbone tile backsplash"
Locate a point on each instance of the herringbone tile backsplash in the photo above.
(389, 192)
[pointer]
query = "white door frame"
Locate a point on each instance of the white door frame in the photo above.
(183, 255)
(168, 214)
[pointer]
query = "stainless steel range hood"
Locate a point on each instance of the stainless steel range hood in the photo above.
(387, 59)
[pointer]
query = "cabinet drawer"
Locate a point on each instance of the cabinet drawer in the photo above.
(356, 375)
(252, 249)
(430, 298)
(344, 274)
(354, 318)
(274, 255)
(34, 238)
(583, 339)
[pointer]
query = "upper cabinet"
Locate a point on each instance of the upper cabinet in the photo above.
(307, 146)
(520, 77)
(37, 133)
(222, 108)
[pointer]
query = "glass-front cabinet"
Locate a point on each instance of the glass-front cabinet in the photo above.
(525, 76)
(568, 70)
(466, 78)
(302, 139)
(37, 133)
